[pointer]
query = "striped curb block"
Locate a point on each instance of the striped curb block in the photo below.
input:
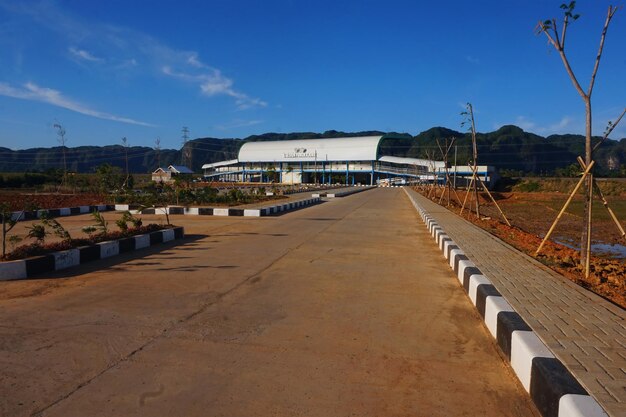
(208, 211)
(551, 386)
(287, 192)
(59, 212)
(56, 261)
(344, 193)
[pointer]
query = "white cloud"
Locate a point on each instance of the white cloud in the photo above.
(84, 55)
(194, 61)
(125, 47)
(561, 125)
(472, 59)
(213, 83)
(564, 125)
(524, 123)
(33, 92)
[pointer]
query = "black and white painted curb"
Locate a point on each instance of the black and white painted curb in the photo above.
(551, 386)
(59, 212)
(314, 187)
(208, 211)
(344, 193)
(27, 268)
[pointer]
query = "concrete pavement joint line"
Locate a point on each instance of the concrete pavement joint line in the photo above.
(56, 261)
(551, 386)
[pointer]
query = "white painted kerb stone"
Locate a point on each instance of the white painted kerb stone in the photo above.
(66, 259)
(573, 405)
(493, 305)
(453, 254)
(142, 241)
(108, 249)
(463, 264)
(474, 281)
(525, 346)
(446, 244)
(12, 270)
(168, 234)
(438, 235)
(441, 240)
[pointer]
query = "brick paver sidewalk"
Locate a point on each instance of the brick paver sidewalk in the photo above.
(584, 331)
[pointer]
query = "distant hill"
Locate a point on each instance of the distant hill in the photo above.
(508, 148)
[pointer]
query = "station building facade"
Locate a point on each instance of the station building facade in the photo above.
(353, 160)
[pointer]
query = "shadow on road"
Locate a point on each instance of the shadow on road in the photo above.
(111, 263)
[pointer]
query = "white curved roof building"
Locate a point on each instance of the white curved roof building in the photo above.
(364, 148)
(348, 160)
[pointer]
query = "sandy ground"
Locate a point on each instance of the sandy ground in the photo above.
(341, 309)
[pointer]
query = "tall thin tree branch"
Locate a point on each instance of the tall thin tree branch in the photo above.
(609, 16)
(543, 28)
(565, 23)
(612, 126)
(572, 77)
(555, 29)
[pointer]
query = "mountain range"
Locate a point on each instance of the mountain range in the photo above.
(509, 148)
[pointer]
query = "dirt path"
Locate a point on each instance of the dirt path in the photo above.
(341, 309)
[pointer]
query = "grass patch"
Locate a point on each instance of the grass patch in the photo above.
(577, 208)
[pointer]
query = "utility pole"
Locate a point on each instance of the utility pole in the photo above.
(455, 168)
(61, 138)
(185, 155)
(469, 120)
(125, 144)
(157, 150)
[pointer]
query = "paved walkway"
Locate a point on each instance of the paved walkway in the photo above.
(586, 332)
(342, 309)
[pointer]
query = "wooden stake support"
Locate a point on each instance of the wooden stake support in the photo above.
(569, 200)
(605, 203)
(476, 180)
(448, 185)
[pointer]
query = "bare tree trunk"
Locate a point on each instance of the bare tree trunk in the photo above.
(586, 229)
(589, 225)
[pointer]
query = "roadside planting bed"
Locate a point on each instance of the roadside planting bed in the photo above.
(531, 215)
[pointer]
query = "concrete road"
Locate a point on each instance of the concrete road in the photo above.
(342, 309)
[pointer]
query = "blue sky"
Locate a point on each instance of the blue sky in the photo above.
(143, 69)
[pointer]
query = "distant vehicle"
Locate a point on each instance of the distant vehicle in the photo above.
(386, 182)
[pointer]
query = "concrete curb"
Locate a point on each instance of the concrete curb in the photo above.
(208, 211)
(551, 386)
(28, 268)
(59, 212)
(360, 188)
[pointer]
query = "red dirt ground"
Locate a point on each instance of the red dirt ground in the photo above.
(18, 201)
(531, 215)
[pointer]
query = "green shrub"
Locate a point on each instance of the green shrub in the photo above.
(527, 187)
